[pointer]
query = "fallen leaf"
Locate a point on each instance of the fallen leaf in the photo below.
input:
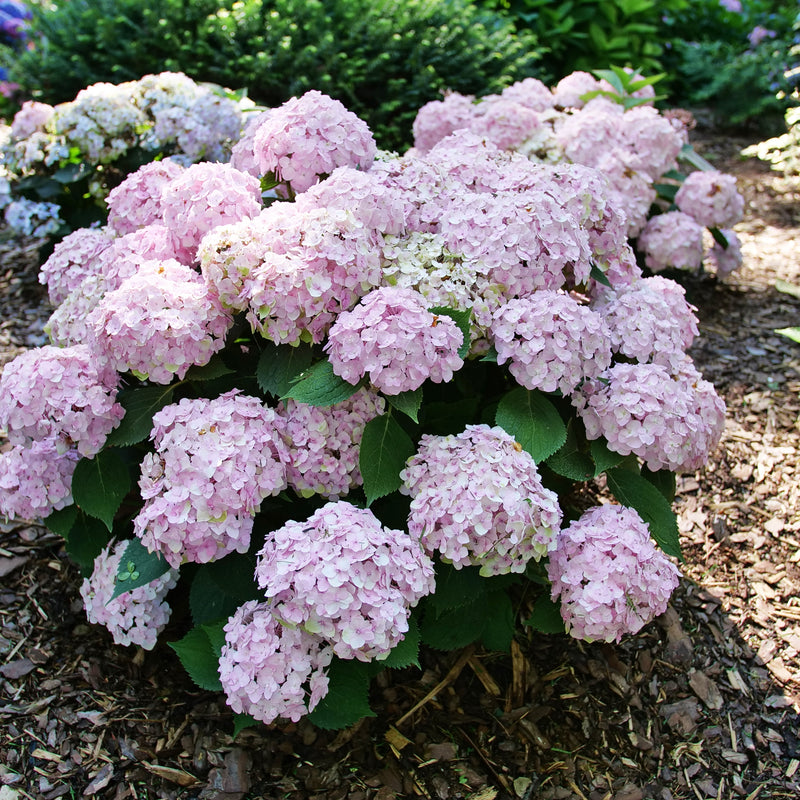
(8, 565)
(705, 689)
(100, 781)
(17, 669)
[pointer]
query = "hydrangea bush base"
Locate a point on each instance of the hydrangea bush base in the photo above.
(357, 413)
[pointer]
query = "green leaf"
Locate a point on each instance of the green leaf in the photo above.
(139, 405)
(407, 402)
(197, 655)
(533, 421)
(663, 480)
(241, 722)
(216, 635)
(490, 355)
(279, 365)
(498, 629)
(220, 587)
(319, 386)
(137, 567)
(690, 156)
(455, 588)
(789, 333)
(100, 484)
(406, 652)
(72, 173)
(638, 493)
(600, 276)
(604, 459)
(347, 700)
(720, 238)
(573, 460)
(385, 448)
(788, 288)
(462, 318)
(215, 368)
(546, 616)
(86, 539)
(666, 190)
(61, 522)
(455, 627)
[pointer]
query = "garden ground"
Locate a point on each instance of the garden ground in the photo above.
(703, 703)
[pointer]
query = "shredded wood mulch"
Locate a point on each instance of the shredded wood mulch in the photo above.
(703, 703)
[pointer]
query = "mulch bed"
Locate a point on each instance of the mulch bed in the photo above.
(703, 703)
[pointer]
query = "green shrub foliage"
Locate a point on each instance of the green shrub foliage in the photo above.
(382, 59)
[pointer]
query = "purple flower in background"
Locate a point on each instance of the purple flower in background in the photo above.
(13, 20)
(731, 5)
(758, 34)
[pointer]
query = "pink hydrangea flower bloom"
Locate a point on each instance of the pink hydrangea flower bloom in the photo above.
(650, 321)
(531, 93)
(552, 341)
(159, 322)
(130, 251)
(671, 419)
(726, 259)
(711, 199)
(324, 443)
(63, 393)
(571, 88)
(36, 479)
(758, 34)
(674, 240)
(203, 196)
(306, 138)
(32, 117)
(68, 325)
(345, 577)
(136, 202)
(504, 122)
(609, 575)
(439, 118)
(214, 463)
(135, 617)
(268, 670)
(243, 155)
(392, 337)
(477, 498)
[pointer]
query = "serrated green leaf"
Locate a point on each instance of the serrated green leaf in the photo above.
(220, 587)
(407, 402)
(279, 365)
(455, 588)
(87, 537)
(216, 634)
(100, 484)
(197, 655)
(320, 386)
(573, 460)
(462, 318)
(636, 492)
(603, 458)
(241, 722)
(139, 405)
(385, 448)
(453, 628)
(664, 480)
(546, 616)
(347, 700)
(597, 274)
(215, 368)
(60, 522)
(533, 421)
(406, 652)
(149, 566)
(498, 628)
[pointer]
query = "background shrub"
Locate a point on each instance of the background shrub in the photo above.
(382, 59)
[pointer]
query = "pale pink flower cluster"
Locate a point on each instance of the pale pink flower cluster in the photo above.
(345, 577)
(323, 443)
(268, 670)
(438, 119)
(35, 480)
(711, 198)
(672, 239)
(570, 90)
(127, 253)
(134, 617)
(531, 93)
(477, 499)
(68, 324)
(136, 202)
(551, 341)
(393, 337)
(651, 321)
(159, 322)
(202, 197)
(31, 117)
(243, 156)
(608, 574)
(214, 462)
(306, 138)
(672, 419)
(72, 260)
(726, 259)
(59, 394)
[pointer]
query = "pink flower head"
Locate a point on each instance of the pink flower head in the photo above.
(552, 341)
(72, 260)
(758, 34)
(243, 156)
(214, 463)
(711, 199)
(32, 117)
(609, 575)
(308, 137)
(130, 251)
(135, 617)
(671, 419)
(67, 325)
(159, 322)
(477, 499)
(324, 443)
(531, 93)
(570, 90)
(651, 321)
(345, 577)
(203, 196)
(136, 202)
(63, 393)
(36, 479)
(504, 122)
(268, 670)
(674, 240)
(726, 259)
(439, 118)
(392, 337)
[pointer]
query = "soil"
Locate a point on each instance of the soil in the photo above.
(703, 703)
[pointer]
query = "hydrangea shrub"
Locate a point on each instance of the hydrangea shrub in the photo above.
(360, 412)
